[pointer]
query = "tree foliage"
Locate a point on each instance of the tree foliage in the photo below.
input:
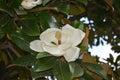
(18, 27)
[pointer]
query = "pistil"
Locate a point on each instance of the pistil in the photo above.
(59, 42)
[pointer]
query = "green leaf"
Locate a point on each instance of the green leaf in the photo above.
(64, 8)
(61, 71)
(25, 60)
(44, 2)
(8, 6)
(4, 19)
(41, 74)
(76, 70)
(47, 21)
(30, 25)
(13, 4)
(9, 26)
(78, 24)
(21, 40)
(44, 63)
(96, 68)
(42, 55)
(87, 77)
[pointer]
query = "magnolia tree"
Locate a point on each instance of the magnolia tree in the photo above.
(45, 40)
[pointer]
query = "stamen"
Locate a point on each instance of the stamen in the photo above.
(58, 37)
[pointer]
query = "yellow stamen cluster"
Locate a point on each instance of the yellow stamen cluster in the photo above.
(58, 35)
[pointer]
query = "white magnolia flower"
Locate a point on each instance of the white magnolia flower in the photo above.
(29, 4)
(60, 42)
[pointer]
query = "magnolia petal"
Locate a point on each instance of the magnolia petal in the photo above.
(78, 36)
(38, 2)
(53, 50)
(29, 4)
(48, 36)
(65, 46)
(72, 54)
(75, 35)
(36, 45)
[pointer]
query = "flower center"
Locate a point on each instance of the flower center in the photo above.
(58, 36)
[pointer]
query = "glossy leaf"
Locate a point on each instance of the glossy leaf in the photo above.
(78, 24)
(61, 71)
(21, 41)
(44, 63)
(9, 26)
(64, 8)
(47, 21)
(41, 74)
(96, 68)
(14, 3)
(76, 70)
(42, 55)
(4, 19)
(25, 60)
(3, 6)
(87, 77)
(29, 25)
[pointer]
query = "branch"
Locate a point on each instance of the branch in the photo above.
(43, 8)
(8, 45)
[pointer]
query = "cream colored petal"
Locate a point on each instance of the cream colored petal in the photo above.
(53, 50)
(36, 45)
(38, 2)
(75, 36)
(65, 46)
(65, 41)
(48, 36)
(28, 4)
(72, 54)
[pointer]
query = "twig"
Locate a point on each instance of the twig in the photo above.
(8, 45)
(43, 8)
